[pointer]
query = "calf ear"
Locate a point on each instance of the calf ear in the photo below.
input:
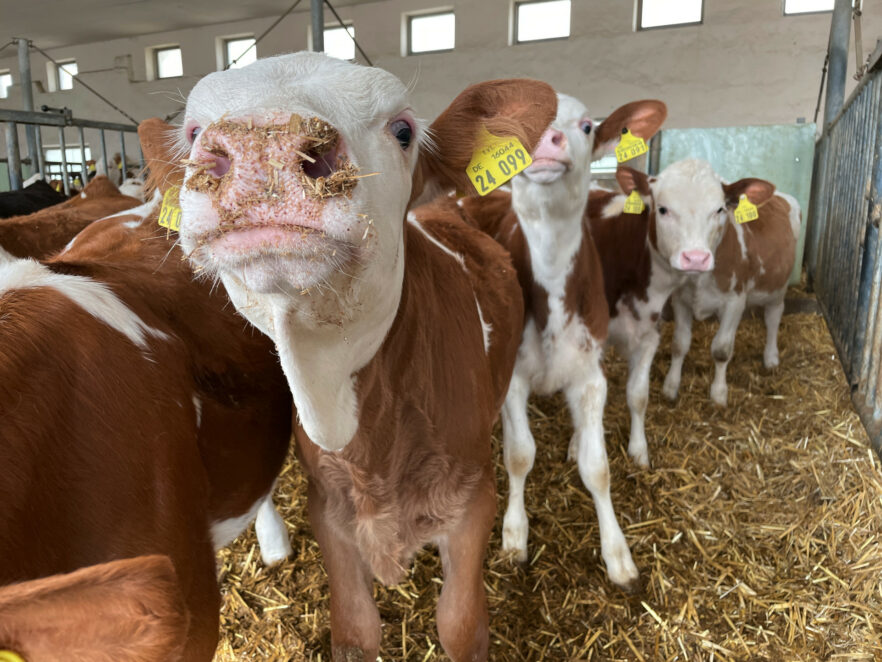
(641, 118)
(521, 108)
(158, 146)
(632, 180)
(125, 611)
(757, 191)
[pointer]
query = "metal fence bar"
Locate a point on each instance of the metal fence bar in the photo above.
(84, 175)
(59, 119)
(844, 247)
(103, 148)
(64, 179)
(14, 155)
(122, 150)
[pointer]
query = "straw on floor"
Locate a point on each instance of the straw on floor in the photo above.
(757, 532)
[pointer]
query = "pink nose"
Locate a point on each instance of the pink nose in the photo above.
(552, 145)
(218, 156)
(695, 260)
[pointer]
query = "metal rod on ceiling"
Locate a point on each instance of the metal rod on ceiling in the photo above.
(318, 25)
(840, 31)
(27, 98)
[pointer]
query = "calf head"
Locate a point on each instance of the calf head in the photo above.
(689, 207)
(300, 170)
(560, 176)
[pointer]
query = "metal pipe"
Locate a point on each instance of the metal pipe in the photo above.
(64, 181)
(27, 99)
(122, 153)
(840, 31)
(39, 135)
(60, 119)
(104, 151)
(14, 156)
(84, 175)
(318, 26)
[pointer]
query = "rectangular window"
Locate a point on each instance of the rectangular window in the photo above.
(66, 72)
(169, 63)
(543, 19)
(239, 52)
(5, 84)
(663, 13)
(429, 33)
(807, 6)
(339, 42)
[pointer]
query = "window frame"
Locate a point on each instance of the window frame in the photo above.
(159, 49)
(638, 18)
(58, 67)
(6, 72)
(225, 55)
(516, 8)
(808, 13)
(409, 31)
(336, 26)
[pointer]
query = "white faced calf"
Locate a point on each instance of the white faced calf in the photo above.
(567, 318)
(729, 265)
(397, 336)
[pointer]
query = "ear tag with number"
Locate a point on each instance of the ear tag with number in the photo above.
(495, 161)
(170, 214)
(630, 146)
(634, 203)
(746, 211)
(9, 656)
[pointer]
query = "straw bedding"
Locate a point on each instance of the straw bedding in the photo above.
(757, 532)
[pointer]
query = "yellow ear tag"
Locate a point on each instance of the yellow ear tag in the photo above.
(170, 214)
(630, 146)
(495, 161)
(9, 656)
(634, 203)
(91, 167)
(746, 211)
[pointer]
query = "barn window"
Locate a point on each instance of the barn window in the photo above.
(429, 33)
(5, 84)
(169, 63)
(807, 6)
(542, 19)
(65, 73)
(664, 13)
(239, 52)
(340, 42)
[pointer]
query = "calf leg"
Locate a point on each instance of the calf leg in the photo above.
(773, 314)
(518, 452)
(639, 363)
(723, 345)
(272, 536)
(586, 400)
(679, 346)
(463, 623)
(355, 620)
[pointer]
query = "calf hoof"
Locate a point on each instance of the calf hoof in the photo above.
(514, 543)
(720, 396)
(770, 361)
(670, 390)
(622, 571)
(640, 457)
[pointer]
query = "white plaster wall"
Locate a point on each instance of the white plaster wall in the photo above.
(747, 64)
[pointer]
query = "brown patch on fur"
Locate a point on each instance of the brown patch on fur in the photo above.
(127, 611)
(162, 171)
(642, 118)
(584, 295)
(521, 108)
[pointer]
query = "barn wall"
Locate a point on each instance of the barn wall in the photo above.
(747, 64)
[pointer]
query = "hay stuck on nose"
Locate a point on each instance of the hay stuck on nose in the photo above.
(758, 532)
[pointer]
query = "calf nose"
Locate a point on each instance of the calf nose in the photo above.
(552, 144)
(697, 260)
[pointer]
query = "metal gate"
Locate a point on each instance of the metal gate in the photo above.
(843, 251)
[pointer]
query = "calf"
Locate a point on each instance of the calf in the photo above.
(567, 315)
(34, 197)
(47, 231)
(142, 416)
(397, 331)
(121, 611)
(739, 265)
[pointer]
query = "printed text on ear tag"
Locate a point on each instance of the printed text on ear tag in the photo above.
(495, 161)
(746, 211)
(170, 214)
(630, 146)
(634, 203)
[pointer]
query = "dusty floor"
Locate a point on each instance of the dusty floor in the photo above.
(757, 533)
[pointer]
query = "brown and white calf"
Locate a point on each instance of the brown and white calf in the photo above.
(140, 415)
(130, 610)
(44, 232)
(739, 265)
(397, 330)
(566, 311)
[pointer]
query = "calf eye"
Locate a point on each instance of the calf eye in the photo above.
(193, 133)
(585, 125)
(721, 210)
(403, 132)
(662, 210)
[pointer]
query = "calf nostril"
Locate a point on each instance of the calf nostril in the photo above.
(317, 165)
(221, 163)
(556, 138)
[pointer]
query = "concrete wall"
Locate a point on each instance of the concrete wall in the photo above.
(746, 64)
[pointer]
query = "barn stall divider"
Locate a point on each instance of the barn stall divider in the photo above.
(60, 119)
(843, 249)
